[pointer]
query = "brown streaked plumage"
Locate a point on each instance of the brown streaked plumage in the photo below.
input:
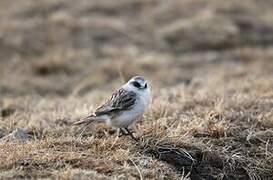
(120, 100)
(124, 107)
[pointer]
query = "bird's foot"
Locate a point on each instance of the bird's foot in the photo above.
(122, 133)
(128, 132)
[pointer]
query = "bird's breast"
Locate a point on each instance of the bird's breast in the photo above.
(128, 117)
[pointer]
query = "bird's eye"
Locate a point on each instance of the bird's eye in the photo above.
(136, 84)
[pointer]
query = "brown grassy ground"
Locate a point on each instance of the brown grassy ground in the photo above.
(210, 68)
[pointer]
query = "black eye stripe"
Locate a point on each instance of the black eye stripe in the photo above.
(136, 84)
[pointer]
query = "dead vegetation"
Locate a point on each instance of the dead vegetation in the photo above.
(210, 69)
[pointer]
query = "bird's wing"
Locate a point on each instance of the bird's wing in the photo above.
(120, 100)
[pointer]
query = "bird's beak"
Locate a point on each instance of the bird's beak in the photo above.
(145, 86)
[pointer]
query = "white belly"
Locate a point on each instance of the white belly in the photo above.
(129, 117)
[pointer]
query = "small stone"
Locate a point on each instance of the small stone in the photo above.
(16, 135)
(144, 163)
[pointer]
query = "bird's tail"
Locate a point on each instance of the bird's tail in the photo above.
(85, 121)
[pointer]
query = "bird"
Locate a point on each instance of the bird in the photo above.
(124, 108)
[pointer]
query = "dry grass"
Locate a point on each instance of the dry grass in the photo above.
(207, 130)
(211, 115)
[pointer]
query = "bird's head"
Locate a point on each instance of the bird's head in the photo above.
(139, 85)
(138, 82)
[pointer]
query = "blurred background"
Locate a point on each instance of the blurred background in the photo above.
(63, 47)
(209, 63)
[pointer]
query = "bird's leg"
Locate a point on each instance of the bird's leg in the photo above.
(130, 133)
(126, 132)
(123, 133)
